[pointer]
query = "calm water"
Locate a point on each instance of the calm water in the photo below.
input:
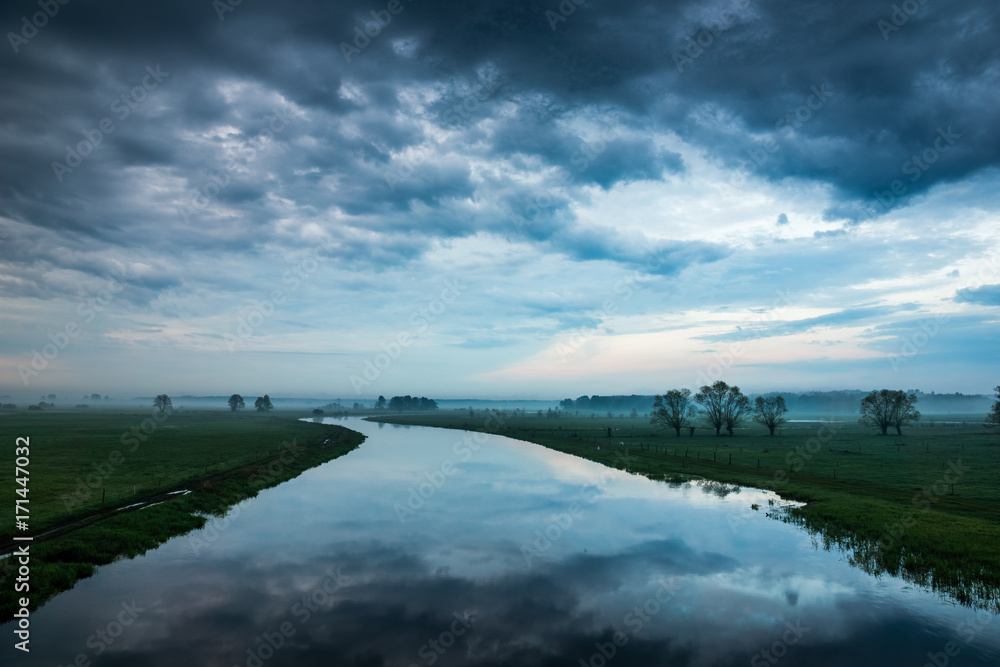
(423, 549)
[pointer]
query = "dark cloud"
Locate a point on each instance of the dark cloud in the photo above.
(481, 123)
(610, 66)
(986, 295)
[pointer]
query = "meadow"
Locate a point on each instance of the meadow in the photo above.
(924, 505)
(85, 465)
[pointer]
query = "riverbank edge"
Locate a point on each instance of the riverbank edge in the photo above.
(75, 551)
(880, 530)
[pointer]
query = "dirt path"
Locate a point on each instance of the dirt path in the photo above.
(8, 546)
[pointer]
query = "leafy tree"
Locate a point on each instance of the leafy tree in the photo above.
(888, 407)
(566, 404)
(993, 418)
(876, 409)
(380, 404)
(263, 403)
(95, 397)
(673, 409)
(236, 402)
(903, 410)
(723, 405)
(162, 403)
(769, 412)
(737, 408)
(711, 399)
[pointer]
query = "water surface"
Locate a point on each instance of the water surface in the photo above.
(433, 547)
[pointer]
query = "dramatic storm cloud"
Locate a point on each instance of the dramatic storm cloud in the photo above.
(497, 198)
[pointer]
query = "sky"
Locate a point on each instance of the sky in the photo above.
(498, 199)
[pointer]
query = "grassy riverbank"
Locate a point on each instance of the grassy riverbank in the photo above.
(85, 466)
(924, 505)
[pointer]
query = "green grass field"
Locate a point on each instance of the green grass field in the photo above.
(924, 505)
(87, 463)
(78, 458)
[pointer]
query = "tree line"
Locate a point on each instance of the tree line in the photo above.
(723, 406)
(843, 401)
(718, 405)
(407, 403)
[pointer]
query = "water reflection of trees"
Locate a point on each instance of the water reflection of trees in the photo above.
(719, 489)
(968, 583)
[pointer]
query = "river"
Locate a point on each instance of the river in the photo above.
(435, 547)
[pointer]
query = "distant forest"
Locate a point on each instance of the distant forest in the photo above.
(814, 402)
(405, 403)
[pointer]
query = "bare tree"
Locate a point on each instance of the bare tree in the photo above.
(673, 409)
(162, 403)
(769, 412)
